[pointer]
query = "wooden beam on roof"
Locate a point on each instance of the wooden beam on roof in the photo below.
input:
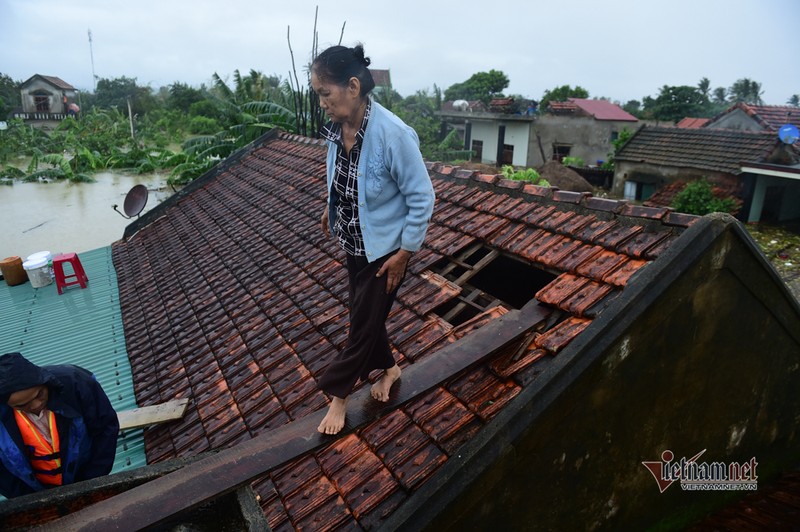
(152, 415)
(202, 481)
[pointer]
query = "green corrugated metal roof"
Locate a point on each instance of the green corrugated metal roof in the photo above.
(81, 327)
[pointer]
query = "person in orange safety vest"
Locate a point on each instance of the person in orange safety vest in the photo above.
(57, 426)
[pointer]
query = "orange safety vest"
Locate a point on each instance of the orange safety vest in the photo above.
(45, 458)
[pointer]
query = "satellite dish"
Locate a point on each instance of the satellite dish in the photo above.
(135, 201)
(788, 134)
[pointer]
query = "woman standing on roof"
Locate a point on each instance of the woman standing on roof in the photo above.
(380, 199)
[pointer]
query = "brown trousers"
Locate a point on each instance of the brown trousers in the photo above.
(367, 346)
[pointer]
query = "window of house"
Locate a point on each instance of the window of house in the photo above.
(508, 154)
(477, 150)
(614, 136)
(42, 103)
(560, 151)
(488, 278)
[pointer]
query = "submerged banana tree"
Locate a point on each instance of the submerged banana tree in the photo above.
(58, 167)
(253, 120)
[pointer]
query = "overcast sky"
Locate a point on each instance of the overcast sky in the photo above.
(620, 49)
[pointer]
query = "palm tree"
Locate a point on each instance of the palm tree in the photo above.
(747, 91)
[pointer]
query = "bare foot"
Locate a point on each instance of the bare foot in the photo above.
(333, 421)
(380, 390)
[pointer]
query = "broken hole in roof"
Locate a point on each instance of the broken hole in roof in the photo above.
(488, 278)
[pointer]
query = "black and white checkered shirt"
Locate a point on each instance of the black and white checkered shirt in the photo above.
(345, 184)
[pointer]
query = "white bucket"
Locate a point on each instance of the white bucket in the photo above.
(38, 272)
(46, 255)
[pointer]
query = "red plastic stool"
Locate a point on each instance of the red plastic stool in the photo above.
(77, 271)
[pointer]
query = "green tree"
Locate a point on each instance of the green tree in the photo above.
(720, 95)
(698, 198)
(114, 93)
(633, 107)
(618, 143)
(560, 94)
(182, 96)
(481, 86)
(704, 86)
(747, 91)
(675, 102)
(794, 100)
(9, 95)
(419, 112)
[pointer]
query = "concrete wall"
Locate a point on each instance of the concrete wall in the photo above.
(589, 139)
(659, 175)
(702, 354)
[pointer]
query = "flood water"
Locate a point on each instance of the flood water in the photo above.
(63, 217)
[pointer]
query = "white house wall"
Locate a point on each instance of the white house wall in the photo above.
(517, 134)
(486, 132)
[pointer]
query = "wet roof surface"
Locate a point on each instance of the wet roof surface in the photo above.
(235, 299)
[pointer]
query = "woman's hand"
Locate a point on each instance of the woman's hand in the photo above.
(325, 227)
(395, 269)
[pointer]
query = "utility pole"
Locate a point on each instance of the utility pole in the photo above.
(91, 55)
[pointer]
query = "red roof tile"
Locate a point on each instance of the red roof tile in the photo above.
(603, 110)
(232, 298)
(692, 123)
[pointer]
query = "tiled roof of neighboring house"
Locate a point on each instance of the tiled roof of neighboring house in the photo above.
(232, 296)
(58, 82)
(382, 78)
(603, 110)
(720, 150)
(665, 195)
(692, 123)
(770, 117)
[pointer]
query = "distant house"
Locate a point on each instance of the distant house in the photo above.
(576, 128)
(749, 117)
(755, 166)
(46, 98)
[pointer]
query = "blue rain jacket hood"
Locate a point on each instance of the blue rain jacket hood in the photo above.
(18, 373)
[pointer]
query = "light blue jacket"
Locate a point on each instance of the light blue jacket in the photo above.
(395, 193)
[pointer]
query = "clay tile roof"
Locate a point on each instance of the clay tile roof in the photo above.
(58, 82)
(776, 116)
(232, 297)
(603, 110)
(692, 123)
(714, 149)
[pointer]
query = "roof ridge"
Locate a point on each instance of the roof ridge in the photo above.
(530, 192)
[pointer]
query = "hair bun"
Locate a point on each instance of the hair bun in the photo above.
(358, 51)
